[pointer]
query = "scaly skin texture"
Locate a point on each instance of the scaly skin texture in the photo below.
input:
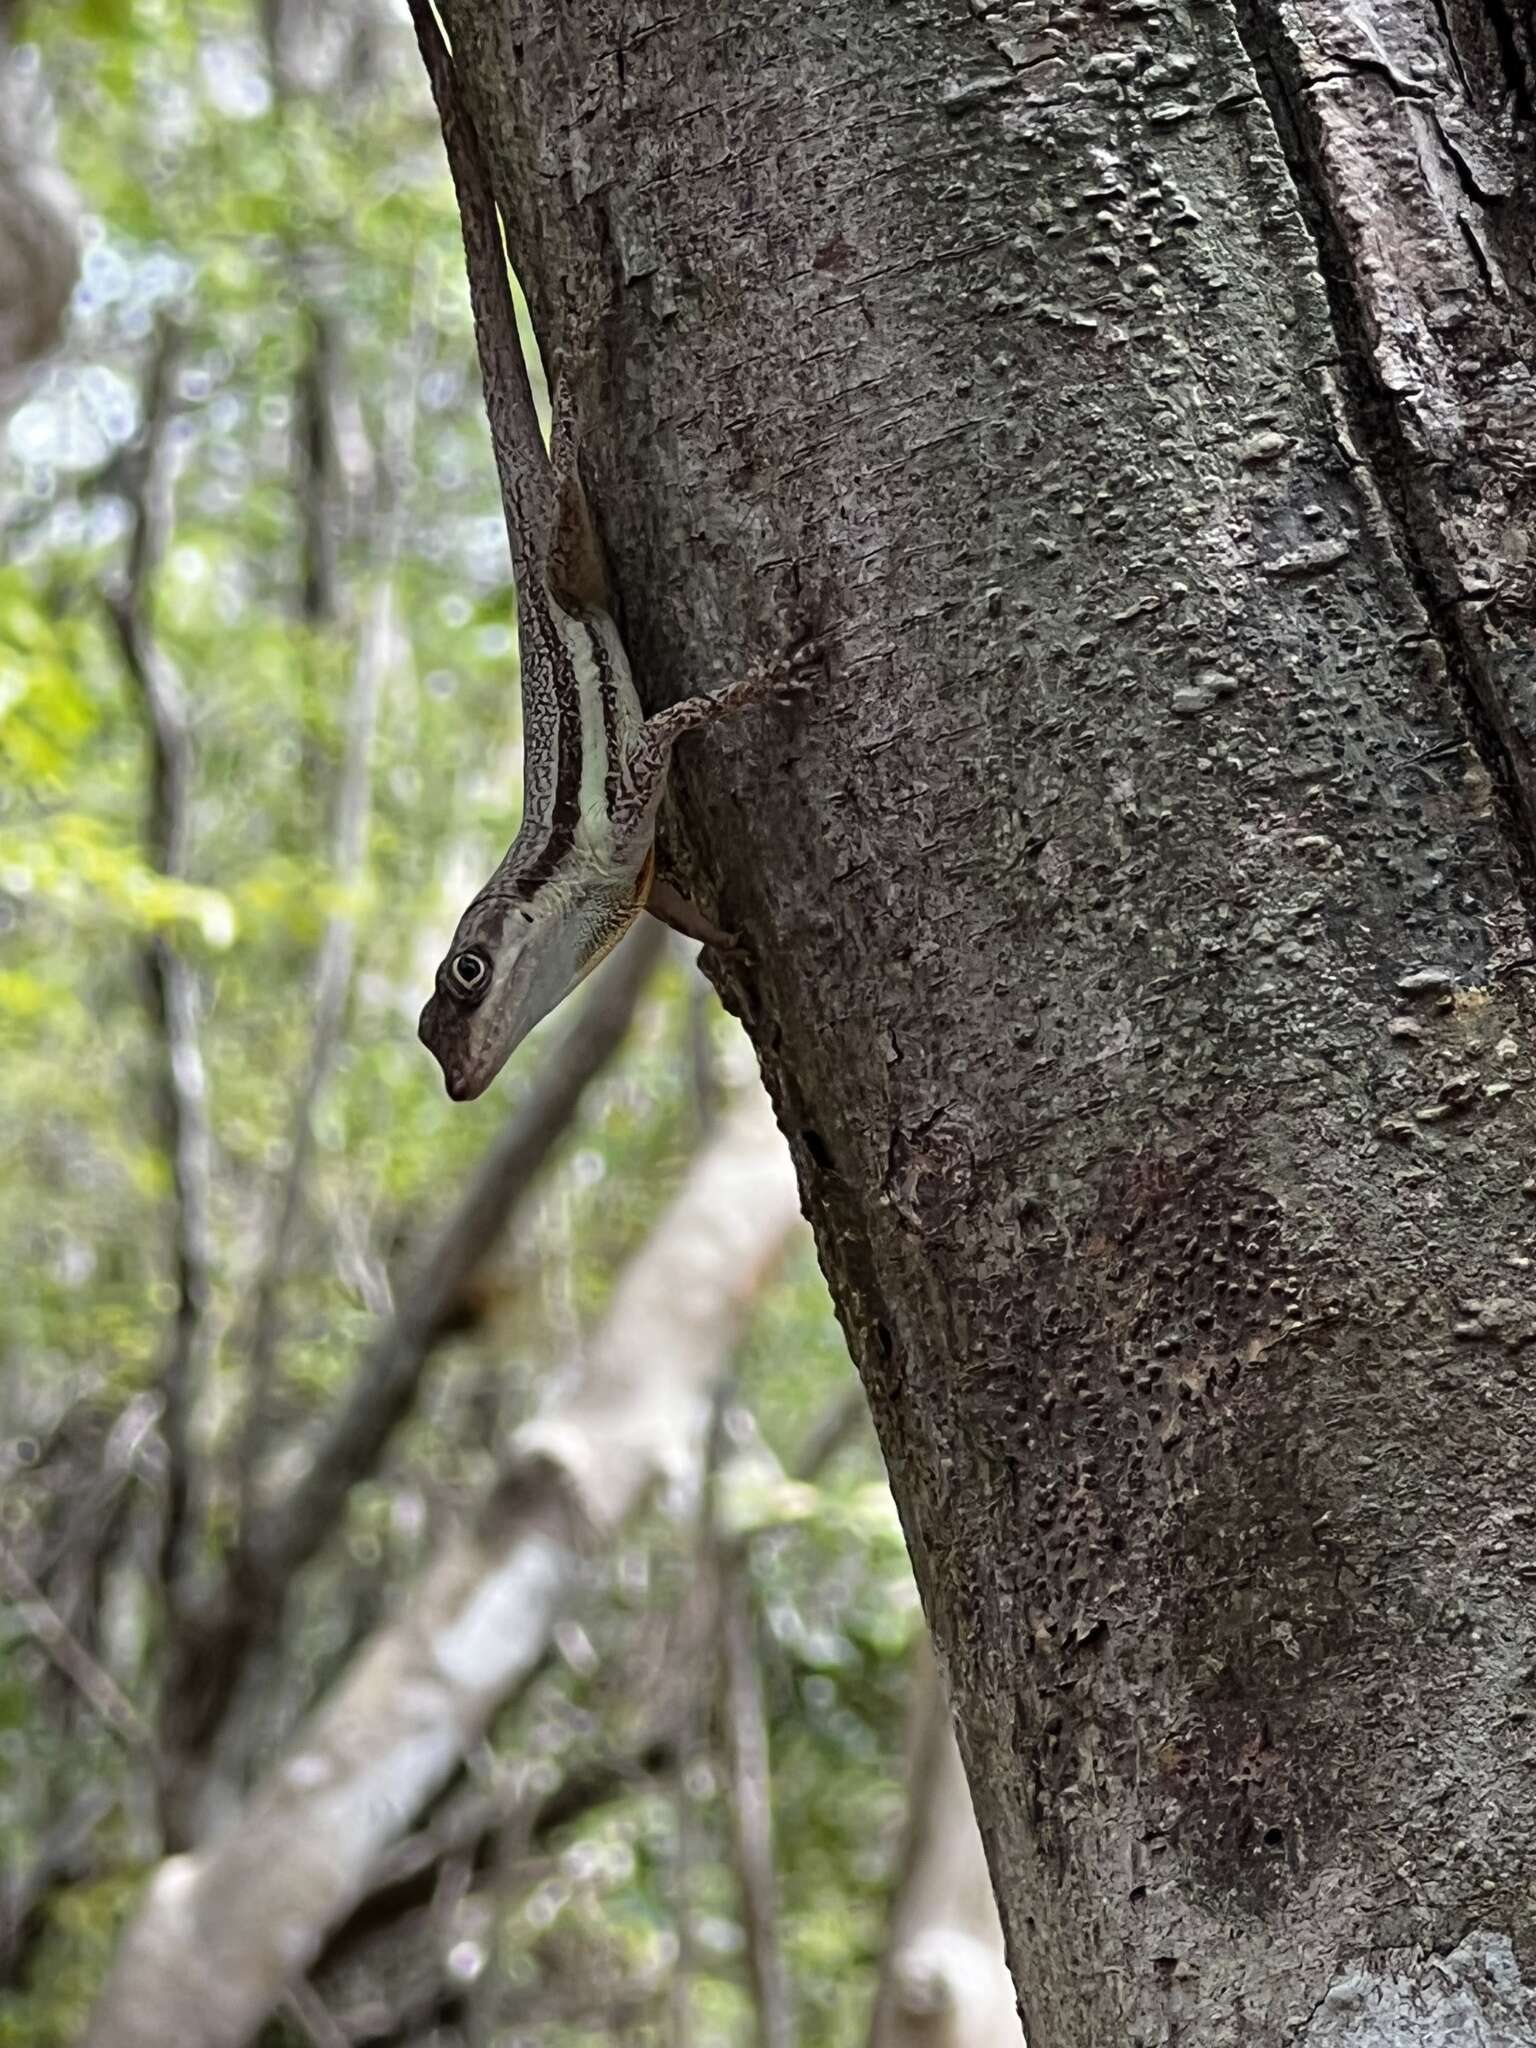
(1138, 929)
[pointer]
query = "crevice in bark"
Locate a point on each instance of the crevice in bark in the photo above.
(1373, 421)
(1466, 176)
(1516, 62)
(1442, 15)
(1479, 256)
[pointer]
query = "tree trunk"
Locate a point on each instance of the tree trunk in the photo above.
(1138, 917)
(224, 1930)
(39, 225)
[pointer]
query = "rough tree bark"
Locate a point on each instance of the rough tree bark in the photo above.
(223, 1930)
(1139, 917)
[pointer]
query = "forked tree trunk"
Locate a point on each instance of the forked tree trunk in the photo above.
(1139, 912)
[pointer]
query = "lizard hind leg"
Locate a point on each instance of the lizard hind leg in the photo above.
(578, 575)
(674, 909)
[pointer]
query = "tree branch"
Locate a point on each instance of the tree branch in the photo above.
(336, 954)
(944, 1980)
(96, 1686)
(58, 1860)
(383, 1390)
(466, 1826)
(182, 1092)
(751, 1809)
(212, 1649)
(318, 485)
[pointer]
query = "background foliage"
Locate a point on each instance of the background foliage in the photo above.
(265, 199)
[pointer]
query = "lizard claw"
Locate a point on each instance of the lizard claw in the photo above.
(797, 673)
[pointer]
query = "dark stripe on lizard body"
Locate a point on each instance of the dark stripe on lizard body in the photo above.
(552, 746)
(608, 698)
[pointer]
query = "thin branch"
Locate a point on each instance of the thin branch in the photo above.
(469, 1827)
(751, 1810)
(694, 1651)
(182, 1092)
(337, 951)
(60, 1860)
(944, 1976)
(94, 1501)
(318, 487)
(703, 1070)
(304, 2005)
(96, 1686)
(837, 1425)
(222, 1931)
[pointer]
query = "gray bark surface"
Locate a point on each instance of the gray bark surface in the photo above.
(1139, 915)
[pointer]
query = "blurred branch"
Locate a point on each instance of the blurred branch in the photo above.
(836, 1426)
(210, 1652)
(94, 1500)
(702, 1066)
(751, 1810)
(319, 483)
(336, 954)
(728, 1595)
(47, 1627)
(468, 1824)
(304, 2005)
(688, 1672)
(182, 1092)
(385, 1386)
(39, 225)
(57, 1861)
(223, 1931)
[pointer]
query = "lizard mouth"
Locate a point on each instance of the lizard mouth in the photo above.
(462, 1087)
(462, 1082)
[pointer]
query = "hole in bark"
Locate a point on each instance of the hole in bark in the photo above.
(816, 1145)
(1274, 1838)
(885, 1340)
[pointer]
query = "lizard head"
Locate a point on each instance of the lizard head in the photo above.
(509, 965)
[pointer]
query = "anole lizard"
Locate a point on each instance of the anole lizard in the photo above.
(582, 867)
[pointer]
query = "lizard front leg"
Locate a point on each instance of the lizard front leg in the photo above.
(645, 769)
(645, 775)
(782, 676)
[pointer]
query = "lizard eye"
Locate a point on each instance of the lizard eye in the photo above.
(469, 971)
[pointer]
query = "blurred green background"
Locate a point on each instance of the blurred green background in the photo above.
(271, 281)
